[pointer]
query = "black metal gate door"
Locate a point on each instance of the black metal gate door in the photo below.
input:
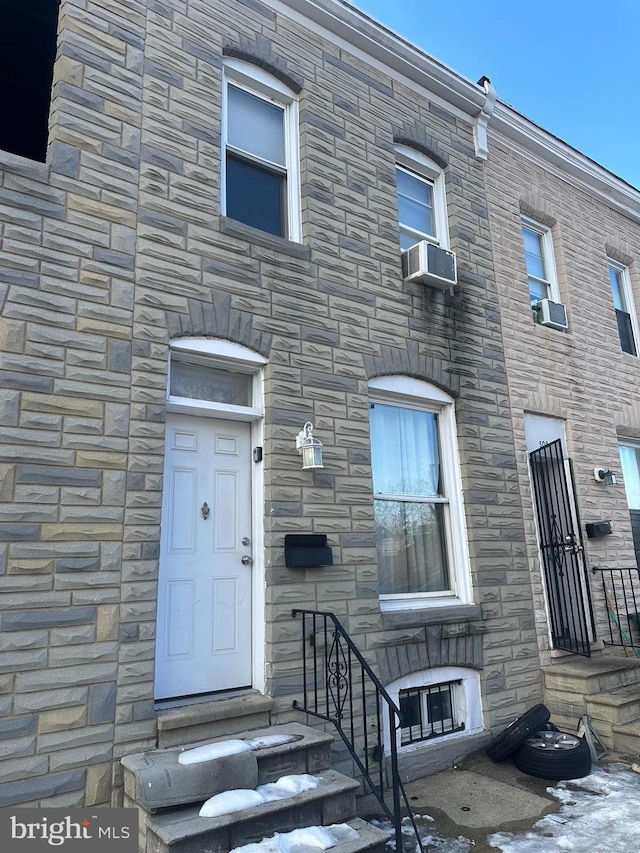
(565, 570)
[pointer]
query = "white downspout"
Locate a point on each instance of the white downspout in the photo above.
(483, 118)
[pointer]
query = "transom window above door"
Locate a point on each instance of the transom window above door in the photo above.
(260, 170)
(215, 377)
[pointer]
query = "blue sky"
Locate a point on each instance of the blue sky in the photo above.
(571, 66)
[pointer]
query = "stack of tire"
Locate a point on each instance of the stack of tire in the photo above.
(537, 747)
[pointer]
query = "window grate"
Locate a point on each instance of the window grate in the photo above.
(429, 712)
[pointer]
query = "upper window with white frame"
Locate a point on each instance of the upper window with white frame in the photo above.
(623, 304)
(260, 170)
(422, 211)
(420, 528)
(541, 268)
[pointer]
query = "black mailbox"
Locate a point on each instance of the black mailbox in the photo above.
(598, 528)
(305, 550)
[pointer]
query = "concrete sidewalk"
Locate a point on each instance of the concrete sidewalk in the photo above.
(479, 797)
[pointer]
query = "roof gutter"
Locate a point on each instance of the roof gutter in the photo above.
(353, 30)
(344, 22)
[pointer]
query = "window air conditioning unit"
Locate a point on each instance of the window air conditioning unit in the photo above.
(552, 314)
(429, 265)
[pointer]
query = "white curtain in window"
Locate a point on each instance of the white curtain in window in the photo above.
(631, 473)
(404, 446)
(255, 126)
(410, 533)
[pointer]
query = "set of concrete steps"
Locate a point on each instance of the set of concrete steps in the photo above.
(607, 688)
(169, 795)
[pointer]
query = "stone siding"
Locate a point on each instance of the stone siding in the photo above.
(581, 376)
(116, 246)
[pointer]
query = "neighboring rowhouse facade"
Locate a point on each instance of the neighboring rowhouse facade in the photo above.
(566, 238)
(208, 260)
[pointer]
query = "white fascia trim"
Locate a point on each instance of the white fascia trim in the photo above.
(365, 38)
(562, 160)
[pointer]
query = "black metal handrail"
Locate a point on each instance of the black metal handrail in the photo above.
(341, 688)
(621, 588)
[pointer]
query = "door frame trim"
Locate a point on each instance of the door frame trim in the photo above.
(235, 355)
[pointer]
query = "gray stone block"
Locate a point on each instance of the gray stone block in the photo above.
(17, 726)
(160, 781)
(47, 618)
(52, 784)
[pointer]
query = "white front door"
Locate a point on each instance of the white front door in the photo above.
(204, 590)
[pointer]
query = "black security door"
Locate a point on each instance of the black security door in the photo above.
(565, 573)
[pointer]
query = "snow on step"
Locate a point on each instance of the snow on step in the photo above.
(310, 838)
(228, 802)
(222, 748)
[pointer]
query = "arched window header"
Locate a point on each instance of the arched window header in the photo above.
(408, 386)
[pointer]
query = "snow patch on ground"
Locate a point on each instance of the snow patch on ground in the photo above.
(306, 840)
(600, 813)
(245, 798)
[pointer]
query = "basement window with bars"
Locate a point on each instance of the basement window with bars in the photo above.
(430, 712)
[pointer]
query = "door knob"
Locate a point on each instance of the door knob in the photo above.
(245, 560)
(205, 509)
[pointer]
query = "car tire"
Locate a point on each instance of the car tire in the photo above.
(513, 736)
(553, 755)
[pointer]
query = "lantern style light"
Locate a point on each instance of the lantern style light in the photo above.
(309, 447)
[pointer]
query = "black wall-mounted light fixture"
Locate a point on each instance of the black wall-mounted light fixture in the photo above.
(603, 475)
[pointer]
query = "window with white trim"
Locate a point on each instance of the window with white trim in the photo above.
(214, 378)
(420, 529)
(541, 268)
(630, 462)
(422, 210)
(260, 169)
(437, 704)
(623, 304)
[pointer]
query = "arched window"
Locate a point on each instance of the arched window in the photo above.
(438, 704)
(422, 205)
(420, 528)
(260, 172)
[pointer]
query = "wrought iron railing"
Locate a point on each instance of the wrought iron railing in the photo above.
(341, 688)
(621, 588)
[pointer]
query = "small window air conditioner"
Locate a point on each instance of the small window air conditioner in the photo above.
(552, 314)
(429, 265)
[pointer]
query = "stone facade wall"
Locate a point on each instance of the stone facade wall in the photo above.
(582, 375)
(67, 241)
(115, 247)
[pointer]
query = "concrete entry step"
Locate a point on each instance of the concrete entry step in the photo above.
(626, 739)
(156, 780)
(621, 705)
(184, 831)
(583, 676)
(218, 717)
